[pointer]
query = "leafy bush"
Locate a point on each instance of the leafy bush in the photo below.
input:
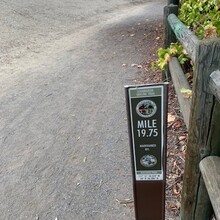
(164, 55)
(202, 17)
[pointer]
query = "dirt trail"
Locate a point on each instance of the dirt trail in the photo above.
(63, 129)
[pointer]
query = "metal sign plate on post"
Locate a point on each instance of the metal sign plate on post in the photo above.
(147, 113)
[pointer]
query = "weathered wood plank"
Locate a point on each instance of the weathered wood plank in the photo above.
(203, 202)
(195, 203)
(210, 169)
(214, 84)
(180, 81)
(184, 35)
(214, 138)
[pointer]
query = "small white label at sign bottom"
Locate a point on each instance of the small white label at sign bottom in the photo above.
(140, 177)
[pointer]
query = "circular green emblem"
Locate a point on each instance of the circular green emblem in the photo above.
(146, 108)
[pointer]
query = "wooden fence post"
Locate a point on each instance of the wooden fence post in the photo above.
(195, 201)
(169, 36)
(175, 2)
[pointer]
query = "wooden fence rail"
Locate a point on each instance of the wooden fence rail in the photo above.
(201, 114)
(209, 167)
(214, 84)
(184, 35)
(180, 81)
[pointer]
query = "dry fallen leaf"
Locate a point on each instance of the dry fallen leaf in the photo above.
(175, 191)
(177, 124)
(170, 118)
(188, 75)
(124, 201)
(181, 138)
(134, 65)
(183, 148)
(172, 206)
(178, 205)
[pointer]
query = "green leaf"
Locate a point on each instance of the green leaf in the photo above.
(187, 93)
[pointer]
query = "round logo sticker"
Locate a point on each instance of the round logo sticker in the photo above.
(148, 161)
(146, 108)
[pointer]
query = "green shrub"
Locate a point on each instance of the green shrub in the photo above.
(203, 18)
(164, 55)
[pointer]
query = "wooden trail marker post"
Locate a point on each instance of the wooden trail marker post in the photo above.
(147, 116)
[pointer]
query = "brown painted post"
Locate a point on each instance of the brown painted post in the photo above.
(147, 113)
(195, 203)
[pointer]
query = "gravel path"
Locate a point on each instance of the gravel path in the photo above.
(63, 132)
